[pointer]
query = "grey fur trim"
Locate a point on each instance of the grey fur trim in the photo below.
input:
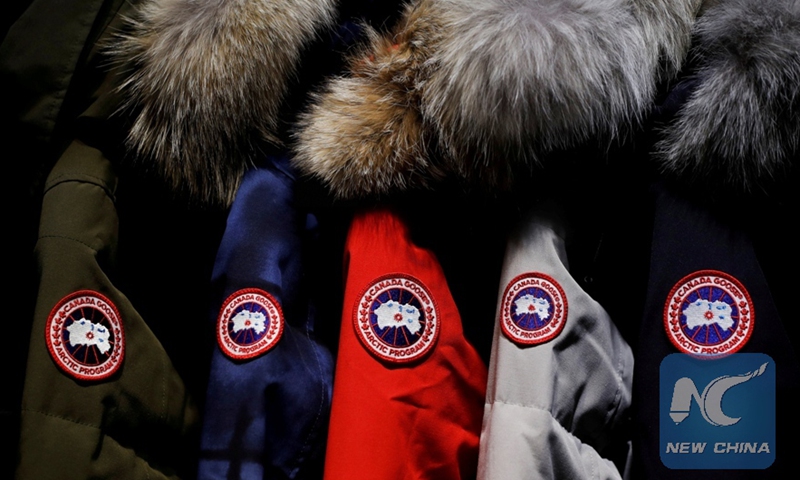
(364, 136)
(667, 27)
(742, 123)
(205, 79)
(518, 78)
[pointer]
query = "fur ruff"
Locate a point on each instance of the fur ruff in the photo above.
(364, 135)
(205, 80)
(742, 123)
(667, 29)
(517, 79)
(485, 85)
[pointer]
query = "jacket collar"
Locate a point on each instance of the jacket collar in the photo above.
(740, 125)
(203, 83)
(470, 89)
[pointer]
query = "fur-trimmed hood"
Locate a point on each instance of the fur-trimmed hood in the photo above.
(741, 123)
(204, 81)
(472, 88)
(459, 88)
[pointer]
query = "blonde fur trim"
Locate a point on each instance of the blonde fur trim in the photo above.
(365, 135)
(205, 80)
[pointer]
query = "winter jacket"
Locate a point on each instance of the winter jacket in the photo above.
(112, 390)
(269, 393)
(41, 56)
(413, 137)
(420, 109)
(408, 384)
(101, 396)
(717, 376)
(561, 372)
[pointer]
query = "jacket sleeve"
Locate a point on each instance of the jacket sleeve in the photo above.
(560, 373)
(269, 393)
(408, 388)
(101, 398)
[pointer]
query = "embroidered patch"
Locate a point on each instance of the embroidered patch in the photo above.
(396, 318)
(250, 323)
(85, 337)
(534, 309)
(708, 313)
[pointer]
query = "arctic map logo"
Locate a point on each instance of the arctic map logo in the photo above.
(730, 424)
(533, 309)
(708, 313)
(396, 318)
(250, 323)
(85, 337)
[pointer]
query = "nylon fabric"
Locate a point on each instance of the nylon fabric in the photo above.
(552, 408)
(402, 421)
(266, 417)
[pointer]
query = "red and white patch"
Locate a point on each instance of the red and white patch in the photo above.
(250, 323)
(533, 309)
(708, 313)
(85, 337)
(396, 318)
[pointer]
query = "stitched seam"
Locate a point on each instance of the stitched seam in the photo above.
(322, 390)
(534, 407)
(100, 183)
(73, 177)
(96, 427)
(164, 391)
(47, 414)
(593, 467)
(64, 237)
(614, 410)
(547, 412)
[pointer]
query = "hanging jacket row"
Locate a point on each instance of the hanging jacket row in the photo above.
(445, 240)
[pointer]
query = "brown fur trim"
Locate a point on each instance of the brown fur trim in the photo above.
(205, 79)
(365, 135)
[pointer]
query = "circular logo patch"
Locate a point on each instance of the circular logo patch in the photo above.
(84, 335)
(534, 309)
(708, 313)
(396, 318)
(250, 323)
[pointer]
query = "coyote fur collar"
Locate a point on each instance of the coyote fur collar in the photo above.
(458, 88)
(471, 89)
(204, 80)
